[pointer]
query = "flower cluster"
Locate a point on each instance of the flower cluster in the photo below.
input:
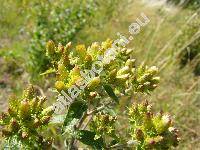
(146, 79)
(103, 124)
(152, 131)
(24, 119)
(92, 79)
(90, 68)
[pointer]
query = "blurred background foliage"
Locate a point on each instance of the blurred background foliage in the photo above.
(187, 3)
(170, 41)
(59, 21)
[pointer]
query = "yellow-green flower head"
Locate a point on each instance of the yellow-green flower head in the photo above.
(94, 83)
(60, 85)
(81, 51)
(106, 45)
(50, 48)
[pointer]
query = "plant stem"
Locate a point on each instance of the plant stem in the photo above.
(82, 120)
(85, 115)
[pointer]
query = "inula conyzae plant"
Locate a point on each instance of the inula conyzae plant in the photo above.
(91, 82)
(151, 131)
(25, 119)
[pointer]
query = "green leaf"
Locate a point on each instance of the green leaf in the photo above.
(76, 110)
(111, 93)
(87, 138)
(51, 70)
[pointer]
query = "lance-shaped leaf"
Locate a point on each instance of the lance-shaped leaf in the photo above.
(49, 71)
(111, 93)
(76, 110)
(87, 137)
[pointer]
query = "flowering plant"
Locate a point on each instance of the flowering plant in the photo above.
(94, 83)
(24, 120)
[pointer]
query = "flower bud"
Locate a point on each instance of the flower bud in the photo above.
(122, 78)
(166, 120)
(124, 70)
(36, 123)
(162, 123)
(148, 125)
(154, 130)
(158, 139)
(153, 70)
(29, 93)
(130, 63)
(34, 103)
(129, 51)
(145, 103)
(143, 78)
(149, 108)
(65, 60)
(81, 50)
(45, 120)
(42, 100)
(24, 110)
(60, 48)
(95, 46)
(94, 82)
(107, 44)
(112, 74)
(48, 111)
(156, 80)
(62, 72)
(60, 85)
(68, 45)
(88, 58)
(142, 108)
(13, 101)
(61, 67)
(50, 48)
(133, 70)
(75, 71)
